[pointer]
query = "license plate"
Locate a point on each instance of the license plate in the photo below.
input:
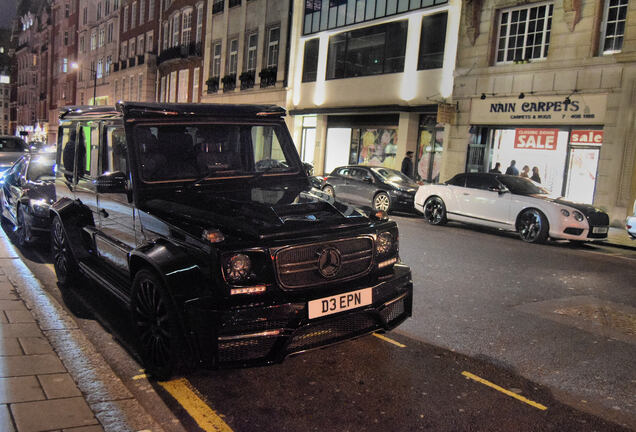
(600, 230)
(339, 303)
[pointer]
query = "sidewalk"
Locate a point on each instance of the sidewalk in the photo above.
(51, 377)
(618, 237)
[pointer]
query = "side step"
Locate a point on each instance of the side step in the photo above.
(105, 280)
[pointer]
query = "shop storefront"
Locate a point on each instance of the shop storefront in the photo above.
(557, 138)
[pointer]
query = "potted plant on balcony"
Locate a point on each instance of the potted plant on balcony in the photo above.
(247, 79)
(268, 76)
(229, 82)
(213, 84)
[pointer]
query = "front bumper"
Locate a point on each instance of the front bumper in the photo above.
(403, 203)
(266, 334)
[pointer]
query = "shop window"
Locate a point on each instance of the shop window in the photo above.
(310, 60)
(524, 33)
(368, 51)
(432, 40)
(430, 148)
(308, 139)
(613, 26)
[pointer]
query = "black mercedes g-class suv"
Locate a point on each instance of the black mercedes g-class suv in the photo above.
(201, 220)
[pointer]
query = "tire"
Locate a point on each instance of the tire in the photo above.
(532, 226)
(66, 268)
(157, 326)
(329, 191)
(23, 235)
(435, 211)
(381, 201)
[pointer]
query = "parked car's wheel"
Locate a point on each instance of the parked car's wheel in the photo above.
(532, 226)
(23, 229)
(435, 211)
(156, 324)
(382, 202)
(66, 268)
(329, 191)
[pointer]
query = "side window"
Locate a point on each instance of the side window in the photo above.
(66, 151)
(16, 171)
(114, 150)
(481, 182)
(458, 180)
(88, 150)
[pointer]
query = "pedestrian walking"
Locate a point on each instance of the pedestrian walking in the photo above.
(535, 175)
(512, 169)
(496, 169)
(407, 164)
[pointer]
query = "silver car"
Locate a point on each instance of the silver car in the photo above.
(11, 148)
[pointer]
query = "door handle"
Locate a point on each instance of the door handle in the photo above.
(466, 193)
(103, 213)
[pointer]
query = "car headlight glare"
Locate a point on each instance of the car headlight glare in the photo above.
(238, 267)
(40, 208)
(578, 216)
(565, 213)
(384, 243)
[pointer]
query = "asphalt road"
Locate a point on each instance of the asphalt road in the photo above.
(484, 308)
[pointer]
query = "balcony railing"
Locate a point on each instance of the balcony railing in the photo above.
(140, 59)
(229, 82)
(247, 79)
(123, 64)
(268, 77)
(131, 62)
(192, 49)
(213, 84)
(116, 67)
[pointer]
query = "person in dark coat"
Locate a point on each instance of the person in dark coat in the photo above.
(496, 169)
(535, 175)
(512, 169)
(407, 164)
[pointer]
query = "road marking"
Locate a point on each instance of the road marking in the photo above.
(138, 377)
(203, 415)
(389, 340)
(504, 391)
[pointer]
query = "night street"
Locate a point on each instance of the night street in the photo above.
(487, 306)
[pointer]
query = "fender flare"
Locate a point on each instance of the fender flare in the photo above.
(74, 217)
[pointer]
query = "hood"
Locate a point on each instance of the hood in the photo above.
(586, 209)
(256, 212)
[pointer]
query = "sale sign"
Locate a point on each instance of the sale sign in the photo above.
(594, 137)
(536, 139)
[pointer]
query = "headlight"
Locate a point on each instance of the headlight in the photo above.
(565, 213)
(384, 243)
(578, 216)
(40, 208)
(238, 267)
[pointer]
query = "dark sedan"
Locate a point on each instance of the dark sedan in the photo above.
(381, 188)
(11, 148)
(27, 192)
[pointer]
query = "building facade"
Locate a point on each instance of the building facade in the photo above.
(27, 84)
(98, 40)
(552, 85)
(135, 75)
(6, 63)
(180, 59)
(368, 79)
(247, 52)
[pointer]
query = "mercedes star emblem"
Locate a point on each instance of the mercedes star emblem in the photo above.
(329, 261)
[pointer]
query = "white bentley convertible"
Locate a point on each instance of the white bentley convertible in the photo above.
(510, 203)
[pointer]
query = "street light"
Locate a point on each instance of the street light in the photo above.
(76, 66)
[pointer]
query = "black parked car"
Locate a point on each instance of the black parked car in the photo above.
(27, 192)
(11, 148)
(378, 187)
(200, 219)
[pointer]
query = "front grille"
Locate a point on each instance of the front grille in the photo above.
(332, 330)
(297, 266)
(597, 218)
(393, 311)
(245, 349)
(573, 231)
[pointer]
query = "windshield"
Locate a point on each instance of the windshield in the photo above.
(393, 176)
(189, 152)
(41, 168)
(521, 186)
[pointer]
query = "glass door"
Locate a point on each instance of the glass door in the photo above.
(581, 174)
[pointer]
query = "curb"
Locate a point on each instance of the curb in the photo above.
(112, 403)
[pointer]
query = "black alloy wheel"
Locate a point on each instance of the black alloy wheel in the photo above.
(64, 262)
(382, 202)
(435, 211)
(532, 226)
(329, 191)
(156, 324)
(22, 229)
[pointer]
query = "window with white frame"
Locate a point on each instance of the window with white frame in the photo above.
(140, 45)
(140, 87)
(93, 41)
(100, 66)
(116, 88)
(85, 16)
(613, 26)
(142, 11)
(165, 34)
(81, 44)
(125, 25)
(216, 60)
(133, 15)
(109, 32)
(199, 33)
(108, 67)
(252, 44)
(524, 33)
(186, 26)
(172, 94)
(131, 47)
(131, 88)
(272, 47)
(107, 8)
(182, 93)
(162, 90)
(175, 29)
(149, 40)
(115, 4)
(233, 57)
(123, 88)
(99, 10)
(102, 37)
(151, 9)
(195, 85)
(123, 53)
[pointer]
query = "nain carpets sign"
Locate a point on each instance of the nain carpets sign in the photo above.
(577, 109)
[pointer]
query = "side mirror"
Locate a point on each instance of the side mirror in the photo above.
(309, 168)
(500, 189)
(111, 182)
(368, 180)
